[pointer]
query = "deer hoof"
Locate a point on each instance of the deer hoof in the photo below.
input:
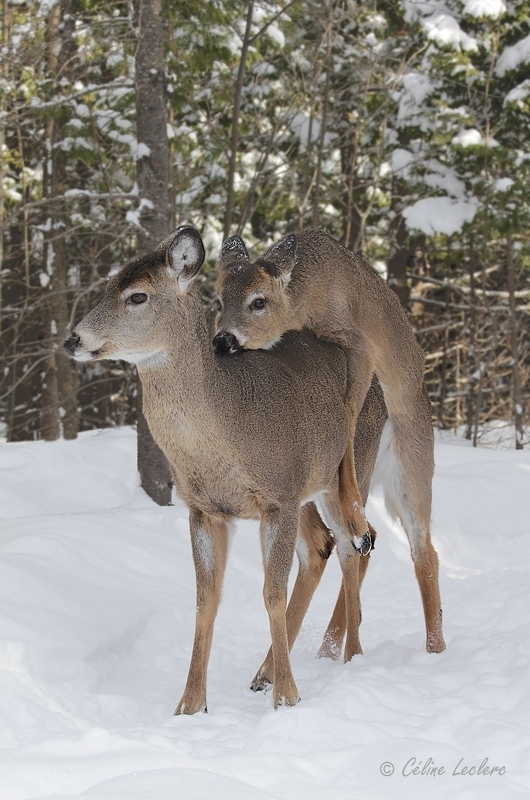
(285, 700)
(330, 648)
(363, 545)
(260, 683)
(189, 708)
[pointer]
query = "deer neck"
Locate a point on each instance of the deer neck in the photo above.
(178, 386)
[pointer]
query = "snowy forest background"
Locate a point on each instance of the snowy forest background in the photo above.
(402, 127)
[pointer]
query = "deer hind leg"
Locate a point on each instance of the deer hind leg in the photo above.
(413, 447)
(209, 540)
(426, 567)
(314, 545)
(349, 561)
(368, 431)
(331, 646)
(362, 537)
(425, 561)
(278, 537)
(351, 501)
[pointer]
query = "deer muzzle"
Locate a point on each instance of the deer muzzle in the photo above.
(71, 345)
(225, 343)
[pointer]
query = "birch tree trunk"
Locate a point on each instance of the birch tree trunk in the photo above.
(152, 173)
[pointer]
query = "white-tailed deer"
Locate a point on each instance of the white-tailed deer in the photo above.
(256, 436)
(308, 280)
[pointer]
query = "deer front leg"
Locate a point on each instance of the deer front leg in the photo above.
(313, 546)
(278, 536)
(209, 541)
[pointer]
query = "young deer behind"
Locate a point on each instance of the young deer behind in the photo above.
(308, 280)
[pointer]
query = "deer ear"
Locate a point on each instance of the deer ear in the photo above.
(185, 255)
(279, 261)
(233, 249)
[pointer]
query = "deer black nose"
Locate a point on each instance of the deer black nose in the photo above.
(71, 344)
(225, 343)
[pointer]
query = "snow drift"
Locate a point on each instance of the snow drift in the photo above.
(96, 627)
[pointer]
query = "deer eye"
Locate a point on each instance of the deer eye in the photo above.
(137, 298)
(258, 304)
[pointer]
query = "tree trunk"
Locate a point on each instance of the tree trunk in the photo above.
(152, 167)
(323, 130)
(234, 139)
(351, 216)
(3, 75)
(59, 403)
(472, 363)
(399, 254)
(516, 377)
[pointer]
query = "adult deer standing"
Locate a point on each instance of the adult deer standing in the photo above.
(308, 280)
(252, 437)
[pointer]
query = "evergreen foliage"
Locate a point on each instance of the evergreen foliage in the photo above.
(398, 125)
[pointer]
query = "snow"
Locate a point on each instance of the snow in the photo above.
(401, 161)
(433, 215)
(444, 30)
(503, 184)
(440, 176)
(133, 216)
(411, 110)
(484, 8)
(50, 258)
(97, 612)
(471, 137)
(513, 57)
(303, 127)
(276, 34)
(519, 94)
(142, 150)
(45, 6)
(82, 110)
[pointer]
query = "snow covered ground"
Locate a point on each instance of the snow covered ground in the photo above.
(96, 626)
